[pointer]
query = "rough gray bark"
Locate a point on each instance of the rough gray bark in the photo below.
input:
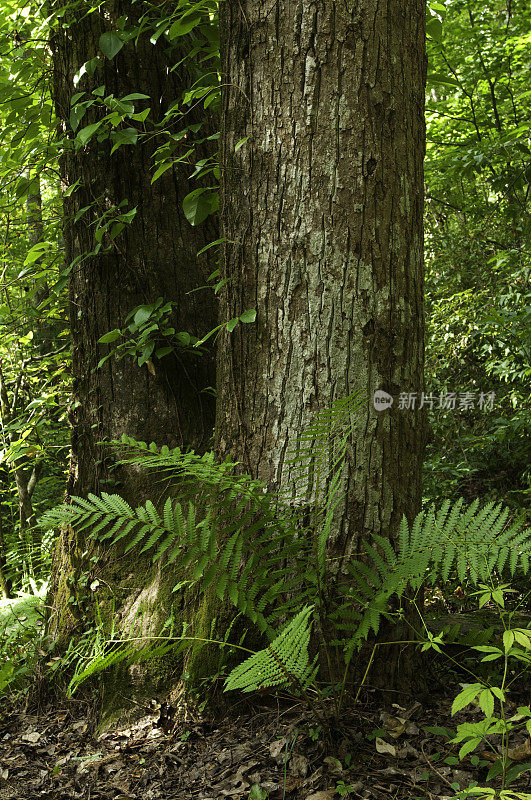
(155, 256)
(322, 210)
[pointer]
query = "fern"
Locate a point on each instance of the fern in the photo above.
(315, 461)
(285, 662)
(266, 554)
(473, 541)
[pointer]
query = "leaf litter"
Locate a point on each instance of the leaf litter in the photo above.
(272, 752)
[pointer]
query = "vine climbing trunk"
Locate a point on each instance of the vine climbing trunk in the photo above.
(155, 255)
(322, 148)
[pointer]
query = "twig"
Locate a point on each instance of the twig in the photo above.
(432, 767)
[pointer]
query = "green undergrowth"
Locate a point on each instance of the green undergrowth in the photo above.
(21, 634)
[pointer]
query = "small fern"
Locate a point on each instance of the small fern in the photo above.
(475, 542)
(284, 662)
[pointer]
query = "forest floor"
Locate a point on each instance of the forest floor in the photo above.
(275, 751)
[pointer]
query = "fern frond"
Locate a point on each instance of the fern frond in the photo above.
(153, 539)
(285, 662)
(318, 453)
(471, 540)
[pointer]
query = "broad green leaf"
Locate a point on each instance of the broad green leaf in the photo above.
(199, 204)
(163, 351)
(468, 747)
(143, 314)
(72, 188)
(434, 29)
(466, 696)
(498, 693)
(522, 637)
(126, 136)
(440, 8)
(36, 252)
(136, 96)
(88, 68)
(440, 79)
(80, 213)
(85, 134)
(249, 315)
(78, 112)
(183, 26)
(111, 336)
(508, 640)
(102, 361)
(110, 44)
(161, 170)
(91, 65)
(486, 702)
(498, 598)
(146, 353)
(129, 216)
(116, 229)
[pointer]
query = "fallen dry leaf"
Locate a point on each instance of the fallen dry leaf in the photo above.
(488, 755)
(298, 765)
(276, 748)
(395, 726)
(384, 747)
(327, 794)
(335, 767)
(522, 752)
(33, 737)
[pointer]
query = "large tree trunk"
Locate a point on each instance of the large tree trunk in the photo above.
(322, 211)
(155, 256)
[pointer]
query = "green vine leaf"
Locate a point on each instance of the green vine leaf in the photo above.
(110, 44)
(199, 204)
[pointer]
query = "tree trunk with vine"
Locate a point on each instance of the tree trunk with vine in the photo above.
(164, 401)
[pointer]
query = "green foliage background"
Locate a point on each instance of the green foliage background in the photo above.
(478, 173)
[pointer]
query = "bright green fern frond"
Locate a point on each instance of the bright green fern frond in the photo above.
(471, 540)
(412, 536)
(228, 550)
(153, 539)
(403, 538)
(138, 537)
(387, 549)
(377, 560)
(167, 515)
(285, 662)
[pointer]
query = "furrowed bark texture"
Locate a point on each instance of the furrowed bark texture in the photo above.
(322, 210)
(154, 256)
